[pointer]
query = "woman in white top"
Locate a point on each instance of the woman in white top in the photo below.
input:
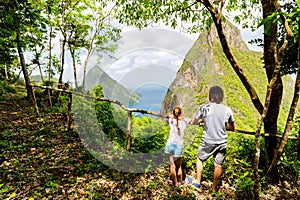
(174, 144)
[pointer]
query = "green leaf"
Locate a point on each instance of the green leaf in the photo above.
(4, 190)
(271, 18)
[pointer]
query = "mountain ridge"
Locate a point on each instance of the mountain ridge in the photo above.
(205, 65)
(111, 88)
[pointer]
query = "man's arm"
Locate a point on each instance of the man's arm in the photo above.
(196, 121)
(230, 126)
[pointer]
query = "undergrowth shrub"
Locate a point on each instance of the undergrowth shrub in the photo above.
(148, 134)
(6, 88)
(61, 106)
(105, 114)
(289, 163)
(238, 169)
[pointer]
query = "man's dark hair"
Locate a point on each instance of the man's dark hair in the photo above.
(216, 94)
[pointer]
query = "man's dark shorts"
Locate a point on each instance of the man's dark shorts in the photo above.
(217, 150)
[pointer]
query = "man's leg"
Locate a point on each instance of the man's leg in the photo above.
(199, 170)
(219, 160)
(173, 171)
(217, 176)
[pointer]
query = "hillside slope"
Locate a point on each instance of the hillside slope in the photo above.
(205, 65)
(111, 88)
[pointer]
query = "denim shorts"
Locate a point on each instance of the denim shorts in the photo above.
(217, 150)
(174, 150)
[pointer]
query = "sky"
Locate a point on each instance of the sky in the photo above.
(148, 56)
(152, 56)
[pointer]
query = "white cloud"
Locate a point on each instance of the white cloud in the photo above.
(120, 63)
(177, 62)
(140, 58)
(122, 71)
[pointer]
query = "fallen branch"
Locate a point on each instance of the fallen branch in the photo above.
(102, 99)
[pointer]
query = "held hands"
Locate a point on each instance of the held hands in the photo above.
(195, 121)
(201, 122)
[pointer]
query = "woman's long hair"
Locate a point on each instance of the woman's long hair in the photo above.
(177, 111)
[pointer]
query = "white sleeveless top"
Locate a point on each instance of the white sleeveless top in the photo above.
(174, 137)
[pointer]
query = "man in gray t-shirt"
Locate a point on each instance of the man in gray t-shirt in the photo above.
(216, 119)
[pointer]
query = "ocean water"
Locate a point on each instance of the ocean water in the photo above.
(152, 96)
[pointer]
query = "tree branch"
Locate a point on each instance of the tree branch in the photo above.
(289, 32)
(229, 55)
(103, 99)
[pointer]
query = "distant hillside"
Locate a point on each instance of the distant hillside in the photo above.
(111, 88)
(37, 79)
(205, 65)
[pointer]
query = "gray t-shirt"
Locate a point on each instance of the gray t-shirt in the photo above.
(215, 117)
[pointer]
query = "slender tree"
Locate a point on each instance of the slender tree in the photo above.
(63, 29)
(102, 36)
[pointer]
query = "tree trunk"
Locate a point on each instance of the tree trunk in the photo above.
(41, 72)
(69, 116)
(30, 92)
(37, 59)
(293, 107)
(50, 66)
(270, 121)
(62, 63)
(84, 69)
(23, 65)
(128, 135)
(63, 45)
(6, 73)
(90, 51)
(298, 146)
(74, 67)
(50, 56)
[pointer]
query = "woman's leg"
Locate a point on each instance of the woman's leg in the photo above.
(178, 163)
(173, 171)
